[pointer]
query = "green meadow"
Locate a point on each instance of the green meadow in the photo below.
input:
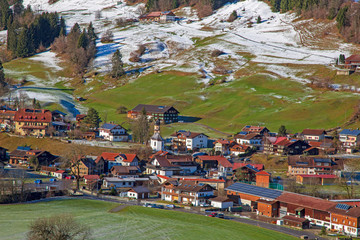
(129, 223)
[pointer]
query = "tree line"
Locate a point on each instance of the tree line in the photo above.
(78, 47)
(345, 12)
(28, 32)
(204, 7)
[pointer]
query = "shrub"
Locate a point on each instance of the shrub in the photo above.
(107, 37)
(216, 53)
(233, 16)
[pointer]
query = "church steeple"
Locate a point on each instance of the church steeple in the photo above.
(156, 141)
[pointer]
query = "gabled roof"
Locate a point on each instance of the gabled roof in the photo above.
(107, 156)
(247, 136)
(263, 173)
(109, 126)
(295, 219)
(140, 189)
(314, 132)
(253, 129)
(350, 132)
(124, 169)
(188, 186)
(33, 115)
(128, 157)
(153, 108)
(254, 190)
(187, 134)
(220, 159)
(240, 165)
(346, 210)
(92, 177)
(221, 199)
(306, 201)
(354, 57)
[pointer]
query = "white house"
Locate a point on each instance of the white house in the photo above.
(139, 192)
(222, 202)
(252, 140)
(315, 135)
(113, 132)
(59, 174)
(167, 16)
(119, 159)
(349, 138)
(186, 140)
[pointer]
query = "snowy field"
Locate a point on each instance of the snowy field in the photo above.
(273, 43)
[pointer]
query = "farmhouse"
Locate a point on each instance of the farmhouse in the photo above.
(165, 114)
(254, 129)
(7, 119)
(125, 171)
(253, 140)
(168, 165)
(352, 62)
(158, 16)
(33, 122)
(324, 179)
(118, 159)
(284, 146)
(223, 146)
(219, 162)
(113, 132)
(186, 192)
(313, 134)
(186, 140)
(345, 219)
(22, 156)
(87, 165)
(302, 165)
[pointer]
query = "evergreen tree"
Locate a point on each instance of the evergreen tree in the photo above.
(83, 40)
(258, 20)
(342, 18)
(282, 131)
(22, 48)
(342, 59)
(62, 27)
(2, 74)
(92, 118)
(76, 29)
(91, 32)
(117, 65)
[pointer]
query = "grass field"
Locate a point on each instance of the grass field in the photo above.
(130, 223)
(257, 99)
(54, 146)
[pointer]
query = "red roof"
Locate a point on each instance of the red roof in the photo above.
(279, 140)
(319, 176)
(223, 141)
(109, 156)
(353, 58)
(220, 159)
(60, 171)
(263, 173)
(159, 153)
(162, 176)
(129, 157)
(203, 179)
(154, 14)
(315, 144)
(91, 177)
(33, 115)
(240, 165)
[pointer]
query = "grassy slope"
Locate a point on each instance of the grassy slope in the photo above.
(130, 223)
(54, 146)
(227, 107)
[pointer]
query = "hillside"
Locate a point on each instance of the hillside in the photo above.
(262, 75)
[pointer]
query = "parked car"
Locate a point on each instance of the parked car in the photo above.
(53, 179)
(213, 214)
(220, 215)
(170, 206)
(204, 205)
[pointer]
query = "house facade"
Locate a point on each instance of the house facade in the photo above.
(113, 133)
(253, 140)
(187, 192)
(165, 114)
(303, 165)
(349, 138)
(313, 134)
(186, 140)
(169, 165)
(32, 122)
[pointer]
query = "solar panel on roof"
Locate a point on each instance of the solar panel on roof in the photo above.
(254, 190)
(342, 206)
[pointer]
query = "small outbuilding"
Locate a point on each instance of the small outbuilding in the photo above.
(139, 192)
(222, 202)
(297, 222)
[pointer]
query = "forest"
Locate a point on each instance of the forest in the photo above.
(345, 12)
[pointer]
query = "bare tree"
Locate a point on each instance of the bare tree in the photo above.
(347, 182)
(72, 160)
(60, 227)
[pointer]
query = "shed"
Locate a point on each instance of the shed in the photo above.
(222, 202)
(297, 222)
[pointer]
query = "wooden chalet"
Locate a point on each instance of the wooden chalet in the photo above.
(165, 114)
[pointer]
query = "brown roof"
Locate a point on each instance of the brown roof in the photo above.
(221, 199)
(306, 201)
(33, 115)
(247, 136)
(295, 219)
(353, 58)
(220, 159)
(254, 129)
(187, 134)
(152, 108)
(316, 132)
(124, 169)
(352, 212)
(189, 186)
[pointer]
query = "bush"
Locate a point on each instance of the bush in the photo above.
(175, 201)
(113, 192)
(217, 53)
(121, 110)
(107, 37)
(233, 16)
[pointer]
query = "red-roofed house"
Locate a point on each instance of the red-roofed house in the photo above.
(59, 174)
(220, 162)
(91, 178)
(253, 140)
(238, 149)
(119, 159)
(255, 165)
(33, 122)
(255, 129)
(223, 146)
(352, 62)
